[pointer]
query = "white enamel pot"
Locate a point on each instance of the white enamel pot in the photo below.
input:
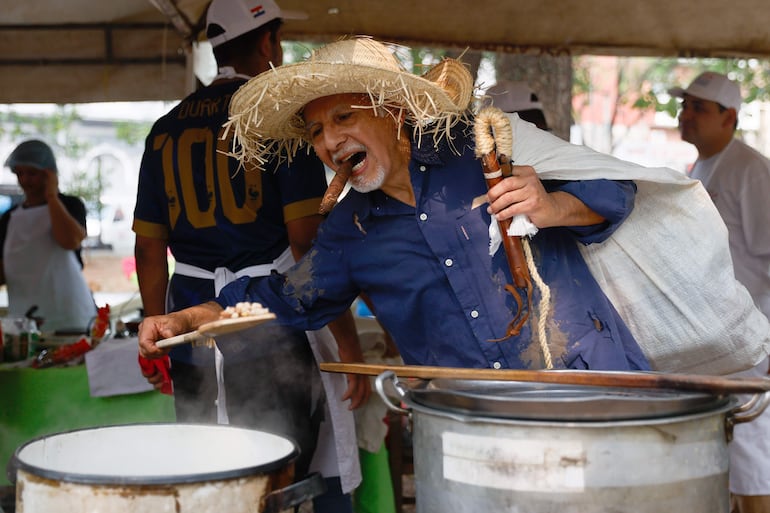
(174, 468)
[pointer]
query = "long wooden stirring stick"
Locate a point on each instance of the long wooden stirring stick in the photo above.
(622, 379)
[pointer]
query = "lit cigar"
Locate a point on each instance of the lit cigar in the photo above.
(335, 188)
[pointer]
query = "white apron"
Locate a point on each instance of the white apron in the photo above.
(40, 272)
(337, 452)
(750, 447)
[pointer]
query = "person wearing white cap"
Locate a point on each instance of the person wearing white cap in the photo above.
(40, 241)
(517, 97)
(737, 178)
(221, 220)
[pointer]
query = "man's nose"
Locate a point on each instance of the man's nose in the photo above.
(333, 139)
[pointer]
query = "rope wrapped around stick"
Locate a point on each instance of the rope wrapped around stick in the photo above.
(493, 132)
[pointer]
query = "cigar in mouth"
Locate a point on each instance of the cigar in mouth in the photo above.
(335, 188)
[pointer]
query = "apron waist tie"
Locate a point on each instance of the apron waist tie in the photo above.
(222, 275)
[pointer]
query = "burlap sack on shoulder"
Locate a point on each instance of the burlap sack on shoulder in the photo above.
(667, 269)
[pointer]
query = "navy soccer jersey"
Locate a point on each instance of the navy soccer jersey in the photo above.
(213, 212)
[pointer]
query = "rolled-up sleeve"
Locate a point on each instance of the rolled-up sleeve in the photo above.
(313, 292)
(611, 199)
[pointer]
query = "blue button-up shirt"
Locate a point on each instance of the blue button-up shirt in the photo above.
(435, 287)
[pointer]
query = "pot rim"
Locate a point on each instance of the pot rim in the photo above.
(729, 403)
(558, 402)
(16, 462)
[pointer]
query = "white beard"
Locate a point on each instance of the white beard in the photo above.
(360, 184)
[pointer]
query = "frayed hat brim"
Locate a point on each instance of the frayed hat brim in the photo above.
(265, 113)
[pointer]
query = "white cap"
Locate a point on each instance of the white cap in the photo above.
(228, 19)
(713, 87)
(511, 97)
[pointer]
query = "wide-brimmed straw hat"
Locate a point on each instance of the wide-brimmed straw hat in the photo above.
(265, 113)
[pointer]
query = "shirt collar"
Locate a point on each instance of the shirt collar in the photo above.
(425, 151)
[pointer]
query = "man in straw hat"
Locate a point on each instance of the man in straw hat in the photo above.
(413, 232)
(221, 222)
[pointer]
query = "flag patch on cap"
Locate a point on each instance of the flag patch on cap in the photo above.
(257, 11)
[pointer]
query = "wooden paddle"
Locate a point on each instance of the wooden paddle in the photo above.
(623, 379)
(214, 328)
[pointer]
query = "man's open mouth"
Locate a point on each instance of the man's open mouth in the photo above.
(356, 160)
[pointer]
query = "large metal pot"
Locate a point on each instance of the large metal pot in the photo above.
(174, 468)
(528, 447)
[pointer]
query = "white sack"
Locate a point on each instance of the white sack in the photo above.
(667, 269)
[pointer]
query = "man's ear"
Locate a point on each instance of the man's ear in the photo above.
(731, 118)
(265, 46)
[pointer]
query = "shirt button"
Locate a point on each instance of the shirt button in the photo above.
(474, 314)
(448, 262)
(422, 168)
(497, 365)
(423, 216)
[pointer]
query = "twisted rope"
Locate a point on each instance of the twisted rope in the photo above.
(545, 300)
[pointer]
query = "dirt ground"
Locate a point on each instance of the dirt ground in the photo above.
(104, 271)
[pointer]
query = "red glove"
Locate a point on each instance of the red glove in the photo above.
(161, 365)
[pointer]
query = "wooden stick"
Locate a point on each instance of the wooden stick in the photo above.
(511, 243)
(623, 379)
(184, 338)
(219, 327)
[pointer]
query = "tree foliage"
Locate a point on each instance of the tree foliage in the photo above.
(643, 83)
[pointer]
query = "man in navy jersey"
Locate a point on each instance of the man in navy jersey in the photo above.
(221, 221)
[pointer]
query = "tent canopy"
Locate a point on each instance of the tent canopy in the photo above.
(92, 50)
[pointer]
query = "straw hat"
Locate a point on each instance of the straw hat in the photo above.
(265, 113)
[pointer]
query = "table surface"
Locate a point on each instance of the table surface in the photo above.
(37, 402)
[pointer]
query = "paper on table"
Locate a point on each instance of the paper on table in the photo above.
(113, 369)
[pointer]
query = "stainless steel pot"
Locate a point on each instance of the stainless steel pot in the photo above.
(180, 468)
(529, 447)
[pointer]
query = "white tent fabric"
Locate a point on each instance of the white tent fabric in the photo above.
(92, 50)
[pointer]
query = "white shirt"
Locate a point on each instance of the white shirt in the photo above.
(738, 181)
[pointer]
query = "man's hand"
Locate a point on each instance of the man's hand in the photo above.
(523, 193)
(358, 391)
(51, 184)
(158, 327)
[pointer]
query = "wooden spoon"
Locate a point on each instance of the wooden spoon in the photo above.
(214, 328)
